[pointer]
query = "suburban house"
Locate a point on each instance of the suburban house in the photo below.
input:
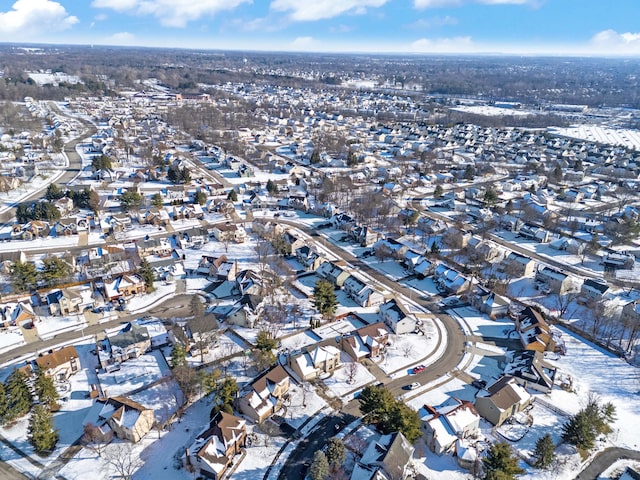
(557, 282)
(531, 371)
(534, 331)
(619, 261)
(127, 419)
(229, 232)
(244, 312)
(124, 286)
(309, 258)
(631, 311)
(445, 425)
(131, 342)
(333, 272)
(59, 364)
(160, 247)
(212, 453)
(366, 342)
(16, 314)
(264, 396)
(450, 280)
(64, 302)
(220, 268)
(490, 302)
(396, 316)
(517, 265)
(361, 293)
(593, 290)
(387, 458)
(310, 364)
(503, 399)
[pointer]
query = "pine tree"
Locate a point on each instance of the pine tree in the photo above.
(18, 395)
(500, 464)
(146, 273)
(178, 356)
(336, 452)
(324, 298)
(544, 451)
(319, 467)
(315, 156)
(41, 432)
(437, 192)
(46, 390)
(157, 200)
(200, 197)
(233, 196)
(4, 405)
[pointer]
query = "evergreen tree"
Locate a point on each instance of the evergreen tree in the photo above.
(264, 341)
(380, 407)
(319, 468)
(225, 394)
(544, 451)
(101, 162)
(500, 463)
(54, 192)
(157, 200)
(4, 404)
(55, 269)
(435, 249)
(23, 276)
(146, 273)
(469, 172)
(41, 432)
(490, 196)
(178, 356)
(438, 192)
(18, 395)
(336, 452)
(130, 201)
(200, 197)
(324, 298)
(584, 427)
(272, 188)
(315, 156)
(233, 196)
(46, 390)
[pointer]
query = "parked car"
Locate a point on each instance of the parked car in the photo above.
(418, 369)
(413, 385)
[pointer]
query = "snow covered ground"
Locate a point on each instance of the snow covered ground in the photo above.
(134, 374)
(611, 136)
(339, 384)
(10, 338)
(49, 327)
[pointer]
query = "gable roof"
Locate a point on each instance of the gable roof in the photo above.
(57, 358)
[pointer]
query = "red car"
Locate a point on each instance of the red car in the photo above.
(418, 369)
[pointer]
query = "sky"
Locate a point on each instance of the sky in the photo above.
(529, 27)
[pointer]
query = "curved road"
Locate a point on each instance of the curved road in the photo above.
(604, 460)
(74, 168)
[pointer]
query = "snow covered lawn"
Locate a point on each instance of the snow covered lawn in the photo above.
(135, 373)
(408, 350)
(338, 385)
(49, 327)
(303, 403)
(10, 338)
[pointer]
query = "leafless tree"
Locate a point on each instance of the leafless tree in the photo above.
(93, 439)
(564, 301)
(122, 458)
(407, 349)
(352, 370)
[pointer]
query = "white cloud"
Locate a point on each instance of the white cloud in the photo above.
(443, 45)
(171, 13)
(423, 4)
(310, 10)
(122, 38)
(29, 18)
(433, 22)
(610, 42)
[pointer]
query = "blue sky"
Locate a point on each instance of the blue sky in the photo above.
(557, 27)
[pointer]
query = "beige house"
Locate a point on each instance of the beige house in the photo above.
(127, 419)
(229, 232)
(503, 399)
(60, 364)
(262, 398)
(212, 453)
(315, 362)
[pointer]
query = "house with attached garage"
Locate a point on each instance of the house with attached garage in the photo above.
(127, 419)
(369, 341)
(443, 426)
(124, 286)
(386, 458)
(593, 290)
(361, 293)
(532, 371)
(555, 280)
(314, 362)
(501, 400)
(265, 395)
(333, 272)
(534, 332)
(517, 265)
(397, 317)
(309, 258)
(213, 451)
(59, 364)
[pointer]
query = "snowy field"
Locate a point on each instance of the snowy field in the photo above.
(610, 136)
(341, 385)
(10, 338)
(410, 349)
(491, 111)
